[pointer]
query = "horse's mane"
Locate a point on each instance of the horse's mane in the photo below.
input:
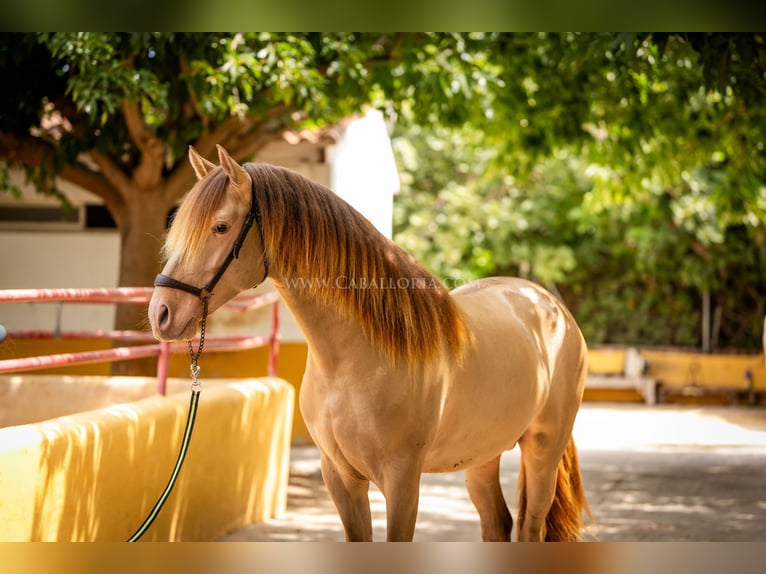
(336, 256)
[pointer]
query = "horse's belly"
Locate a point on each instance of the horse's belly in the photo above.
(486, 414)
(502, 385)
(451, 456)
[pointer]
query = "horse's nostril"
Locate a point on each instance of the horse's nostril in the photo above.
(163, 316)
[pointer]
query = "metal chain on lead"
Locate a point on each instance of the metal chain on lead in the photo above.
(194, 356)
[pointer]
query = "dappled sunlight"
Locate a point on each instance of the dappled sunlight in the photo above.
(672, 506)
(650, 474)
(672, 472)
(310, 514)
(445, 511)
(85, 473)
(132, 414)
(95, 475)
(254, 473)
(663, 496)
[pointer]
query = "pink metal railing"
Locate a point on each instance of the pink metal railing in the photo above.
(138, 295)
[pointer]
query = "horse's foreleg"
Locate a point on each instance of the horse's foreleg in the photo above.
(401, 490)
(483, 483)
(350, 495)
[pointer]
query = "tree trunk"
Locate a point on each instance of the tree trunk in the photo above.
(142, 231)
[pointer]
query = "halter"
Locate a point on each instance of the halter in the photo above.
(204, 293)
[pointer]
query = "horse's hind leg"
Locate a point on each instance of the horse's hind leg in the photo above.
(537, 483)
(551, 495)
(350, 495)
(483, 484)
(550, 491)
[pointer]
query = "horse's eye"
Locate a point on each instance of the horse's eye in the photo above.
(221, 228)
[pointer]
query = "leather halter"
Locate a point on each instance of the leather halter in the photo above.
(204, 293)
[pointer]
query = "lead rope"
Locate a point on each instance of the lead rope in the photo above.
(196, 388)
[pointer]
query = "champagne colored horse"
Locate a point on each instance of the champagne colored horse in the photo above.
(403, 377)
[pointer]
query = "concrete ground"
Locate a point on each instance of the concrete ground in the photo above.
(660, 473)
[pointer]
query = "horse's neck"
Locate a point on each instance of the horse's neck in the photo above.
(331, 336)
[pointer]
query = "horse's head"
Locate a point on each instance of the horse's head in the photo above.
(211, 254)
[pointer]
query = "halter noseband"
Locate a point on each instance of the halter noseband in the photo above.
(204, 293)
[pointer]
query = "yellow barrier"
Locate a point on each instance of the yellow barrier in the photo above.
(606, 361)
(685, 368)
(678, 368)
(680, 375)
(95, 475)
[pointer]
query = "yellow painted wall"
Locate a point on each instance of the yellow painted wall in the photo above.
(19, 348)
(94, 476)
(213, 364)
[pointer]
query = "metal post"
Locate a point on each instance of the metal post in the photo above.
(162, 368)
(274, 342)
(706, 321)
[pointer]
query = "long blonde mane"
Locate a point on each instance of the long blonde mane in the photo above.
(337, 257)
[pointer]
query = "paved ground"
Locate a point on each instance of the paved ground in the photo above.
(659, 473)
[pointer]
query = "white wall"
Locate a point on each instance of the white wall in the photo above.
(49, 259)
(363, 169)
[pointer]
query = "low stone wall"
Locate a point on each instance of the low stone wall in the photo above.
(94, 475)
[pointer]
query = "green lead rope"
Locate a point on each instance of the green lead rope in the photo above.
(181, 455)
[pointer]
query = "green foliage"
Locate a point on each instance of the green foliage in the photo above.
(187, 84)
(98, 76)
(652, 194)
(5, 182)
(632, 267)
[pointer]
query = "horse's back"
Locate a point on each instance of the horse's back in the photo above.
(523, 337)
(519, 310)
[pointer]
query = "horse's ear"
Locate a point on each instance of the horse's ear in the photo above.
(199, 164)
(237, 174)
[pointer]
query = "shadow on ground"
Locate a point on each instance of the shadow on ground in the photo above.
(651, 474)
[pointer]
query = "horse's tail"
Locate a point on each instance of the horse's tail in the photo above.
(564, 522)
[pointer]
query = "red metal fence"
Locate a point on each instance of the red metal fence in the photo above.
(137, 295)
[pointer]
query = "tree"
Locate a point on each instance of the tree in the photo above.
(115, 112)
(629, 175)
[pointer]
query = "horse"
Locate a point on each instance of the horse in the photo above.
(403, 376)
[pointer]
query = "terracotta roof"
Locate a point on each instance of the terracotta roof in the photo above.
(323, 136)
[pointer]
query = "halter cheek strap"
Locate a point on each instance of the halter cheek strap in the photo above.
(204, 293)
